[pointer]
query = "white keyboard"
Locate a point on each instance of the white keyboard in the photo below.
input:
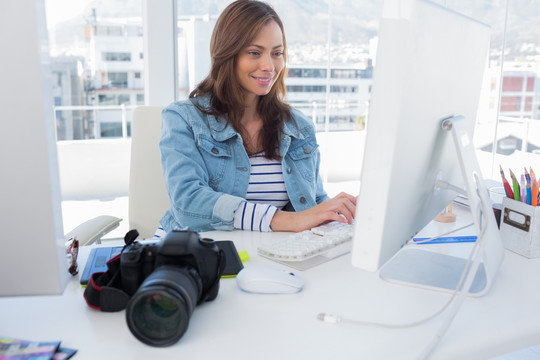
(330, 240)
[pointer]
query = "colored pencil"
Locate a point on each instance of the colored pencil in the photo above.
(527, 176)
(515, 185)
(529, 194)
(523, 189)
(507, 188)
(535, 188)
(534, 197)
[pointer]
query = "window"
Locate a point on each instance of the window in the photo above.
(330, 51)
(104, 30)
(140, 99)
(96, 58)
(113, 99)
(343, 89)
(340, 38)
(117, 79)
(512, 83)
(306, 88)
(345, 74)
(95, 50)
(116, 56)
(508, 123)
(106, 99)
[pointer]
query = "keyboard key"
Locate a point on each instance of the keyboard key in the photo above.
(307, 244)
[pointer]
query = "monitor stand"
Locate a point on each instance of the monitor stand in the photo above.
(427, 269)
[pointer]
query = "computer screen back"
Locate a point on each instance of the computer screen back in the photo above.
(429, 65)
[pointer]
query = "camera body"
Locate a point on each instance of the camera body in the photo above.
(165, 281)
(178, 248)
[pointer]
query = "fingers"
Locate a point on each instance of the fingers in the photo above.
(341, 208)
(344, 195)
(344, 205)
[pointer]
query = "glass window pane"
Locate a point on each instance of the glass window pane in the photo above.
(509, 116)
(115, 56)
(338, 38)
(329, 67)
(96, 61)
(308, 25)
(196, 20)
(95, 57)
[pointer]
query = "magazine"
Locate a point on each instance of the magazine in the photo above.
(16, 349)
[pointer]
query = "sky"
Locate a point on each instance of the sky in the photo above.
(62, 10)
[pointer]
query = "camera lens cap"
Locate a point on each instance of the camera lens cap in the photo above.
(207, 242)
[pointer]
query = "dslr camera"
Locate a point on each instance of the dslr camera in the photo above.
(165, 281)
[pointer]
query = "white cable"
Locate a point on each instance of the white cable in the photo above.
(466, 276)
(468, 283)
(331, 318)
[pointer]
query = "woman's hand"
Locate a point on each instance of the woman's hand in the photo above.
(341, 208)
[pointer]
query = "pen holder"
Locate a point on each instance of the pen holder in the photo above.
(520, 228)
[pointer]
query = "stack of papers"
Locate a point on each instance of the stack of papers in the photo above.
(11, 349)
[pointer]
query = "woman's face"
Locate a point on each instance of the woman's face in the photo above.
(260, 63)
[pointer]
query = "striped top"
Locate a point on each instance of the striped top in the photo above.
(266, 183)
(266, 193)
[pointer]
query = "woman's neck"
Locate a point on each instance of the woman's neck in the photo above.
(251, 127)
(250, 108)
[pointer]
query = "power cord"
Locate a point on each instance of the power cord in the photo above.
(468, 283)
(332, 318)
(466, 279)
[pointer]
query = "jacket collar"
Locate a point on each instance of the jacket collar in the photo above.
(291, 129)
(220, 130)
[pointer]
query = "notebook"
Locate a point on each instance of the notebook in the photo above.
(97, 260)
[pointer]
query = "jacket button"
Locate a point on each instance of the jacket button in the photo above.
(289, 171)
(243, 169)
(307, 150)
(302, 200)
(215, 150)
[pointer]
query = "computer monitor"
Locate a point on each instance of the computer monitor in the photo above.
(429, 66)
(32, 248)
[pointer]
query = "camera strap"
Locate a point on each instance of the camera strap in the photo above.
(104, 290)
(220, 269)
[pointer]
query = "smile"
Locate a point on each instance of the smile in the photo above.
(264, 81)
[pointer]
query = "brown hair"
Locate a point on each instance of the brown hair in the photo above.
(235, 28)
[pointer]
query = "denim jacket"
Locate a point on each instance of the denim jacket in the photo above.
(207, 168)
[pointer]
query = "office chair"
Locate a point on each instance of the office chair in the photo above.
(148, 199)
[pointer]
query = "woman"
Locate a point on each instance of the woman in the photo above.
(235, 155)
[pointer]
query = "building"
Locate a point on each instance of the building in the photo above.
(334, 94)
(345, 103)
(68, 92)
(114, 71)
(520, 96)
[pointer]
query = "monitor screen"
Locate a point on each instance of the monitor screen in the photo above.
(429, 65)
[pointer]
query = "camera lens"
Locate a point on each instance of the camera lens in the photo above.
(158, 313)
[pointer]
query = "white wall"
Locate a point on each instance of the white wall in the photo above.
(94, 169)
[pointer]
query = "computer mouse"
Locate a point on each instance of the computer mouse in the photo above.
(268, 279)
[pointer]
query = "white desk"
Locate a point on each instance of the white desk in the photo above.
(239, 325)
